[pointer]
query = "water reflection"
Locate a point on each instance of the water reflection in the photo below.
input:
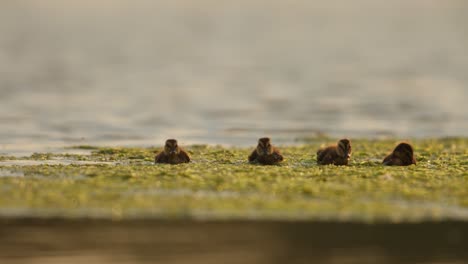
(54, 241)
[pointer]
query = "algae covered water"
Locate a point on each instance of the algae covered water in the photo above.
(116, 206)
(136, 72)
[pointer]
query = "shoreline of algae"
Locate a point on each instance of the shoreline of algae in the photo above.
(221, 184)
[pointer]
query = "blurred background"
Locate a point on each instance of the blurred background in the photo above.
(128, 72)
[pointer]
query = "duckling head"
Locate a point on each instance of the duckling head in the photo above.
(264, 146)
(344, 148)
(404, 152)
(171, 147)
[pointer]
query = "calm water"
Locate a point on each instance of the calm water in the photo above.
(177, 242)
(135, 72)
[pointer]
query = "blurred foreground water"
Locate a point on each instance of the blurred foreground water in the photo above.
(138, 72)
(174, 242)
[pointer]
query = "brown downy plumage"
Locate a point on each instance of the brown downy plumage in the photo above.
(172, 154)
(402, 155)
(336, 155)
(265, 153)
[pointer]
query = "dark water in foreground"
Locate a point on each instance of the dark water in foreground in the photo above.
(36, 241)
(137, 72)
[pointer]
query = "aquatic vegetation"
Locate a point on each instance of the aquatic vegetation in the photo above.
(219, 183)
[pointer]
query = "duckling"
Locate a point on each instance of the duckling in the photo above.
(172, 154)
(402, 155)
(336, 155)
(265, 153)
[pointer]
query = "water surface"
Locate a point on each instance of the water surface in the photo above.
(155, 241)
(221, 72)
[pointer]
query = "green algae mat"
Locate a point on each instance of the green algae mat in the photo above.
(219, 184)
